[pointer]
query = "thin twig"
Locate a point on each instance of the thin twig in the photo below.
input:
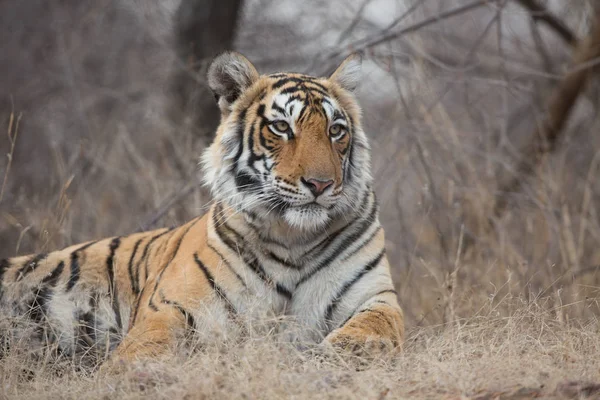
(437, 18)
(466, 60)
(346, 32)
(541, 46)
(541, 13)
(384, 36)
(175, 198)
(12, 139)
(453, 277)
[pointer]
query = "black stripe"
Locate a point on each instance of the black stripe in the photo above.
(283, 262)
(240, 134)
(112, 286)
(245, 182)
(38, 308)
(31, 265)
(283, 291)
(236, 246)
(144, 255)
(278, 108)
(224, 238)
(138, 301)
(266, 240)
(75, 265)
(304, 89)
(267, 143)
(349, 173)
(363, 225)
(260, 111)
(4, 265)
(337, 114)
(343, 153)
(153, 263)
(189, 318)
(152, 305)
(367, 309)
(298, 81)
(159, 277)
(134, 284)
(211, 281)
(284, 81)
(52, 278)
(302, 112)
(226, 263)
(262, 94)
(338, 297)
(253, 156)
(327, 240)
(249, 260)
(293, 98)
(364, 244)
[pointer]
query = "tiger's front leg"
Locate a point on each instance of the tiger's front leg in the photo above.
(156, 325)
(375, 329)
(376, 326)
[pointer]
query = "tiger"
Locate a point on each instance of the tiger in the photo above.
(293, 231)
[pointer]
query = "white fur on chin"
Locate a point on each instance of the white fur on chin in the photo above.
(306, 219)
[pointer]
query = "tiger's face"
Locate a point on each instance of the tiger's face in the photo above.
(289, 146)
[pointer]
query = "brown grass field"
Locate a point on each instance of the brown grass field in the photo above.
(528, 354)
(500, 302)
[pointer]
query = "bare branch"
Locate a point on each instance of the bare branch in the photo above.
(540, 46)
(539, 12)
(558, 110)
(173, 199)
(386, 36)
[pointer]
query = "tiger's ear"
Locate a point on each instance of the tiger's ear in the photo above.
(229, 74)
(348, 74)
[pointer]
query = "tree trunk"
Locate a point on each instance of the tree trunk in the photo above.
(203, 28)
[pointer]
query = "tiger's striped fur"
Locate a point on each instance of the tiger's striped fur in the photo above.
(293, 231)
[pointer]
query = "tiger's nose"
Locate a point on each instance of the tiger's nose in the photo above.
(316, 186)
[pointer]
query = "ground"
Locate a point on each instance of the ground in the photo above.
(528, 354)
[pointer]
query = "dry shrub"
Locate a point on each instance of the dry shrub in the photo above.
(529, 351)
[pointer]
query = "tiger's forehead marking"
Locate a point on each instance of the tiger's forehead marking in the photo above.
(296, 96)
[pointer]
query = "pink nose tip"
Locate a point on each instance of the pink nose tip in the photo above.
(316, 186)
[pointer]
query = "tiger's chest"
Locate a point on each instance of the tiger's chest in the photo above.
(290, 291)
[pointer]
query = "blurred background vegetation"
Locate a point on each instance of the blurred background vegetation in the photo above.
(483, 117)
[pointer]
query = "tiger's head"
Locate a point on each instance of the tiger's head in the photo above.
(289, 146)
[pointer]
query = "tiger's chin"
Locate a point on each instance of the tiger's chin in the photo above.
(310, 217)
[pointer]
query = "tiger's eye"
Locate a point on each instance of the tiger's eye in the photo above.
(335, 130)
(281, 126)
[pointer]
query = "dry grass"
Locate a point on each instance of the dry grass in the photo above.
(449, 109)
(528, 353)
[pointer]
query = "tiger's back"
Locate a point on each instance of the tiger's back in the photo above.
(293, 231)
(81, 296)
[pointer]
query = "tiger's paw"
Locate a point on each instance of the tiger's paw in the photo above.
(114, 366)
(361, 344)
